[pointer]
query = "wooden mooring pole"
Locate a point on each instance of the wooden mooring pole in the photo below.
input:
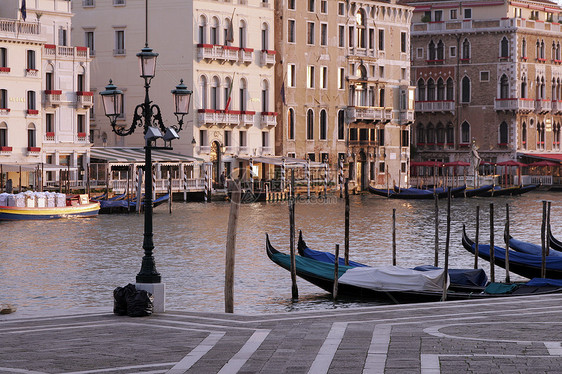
(547, 238)
(393, 236)
(447, 240)
(170, 192)
(231, 249)
(436, 261)
(477, 236)
(492, 257)
(507, 280)
(294, 288)
(346, 242)
(336, 272)
(543, 240)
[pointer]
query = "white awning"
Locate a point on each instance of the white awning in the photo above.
(290, 162)
(132, 155)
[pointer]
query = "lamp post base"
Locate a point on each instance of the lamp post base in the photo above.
(158, 291)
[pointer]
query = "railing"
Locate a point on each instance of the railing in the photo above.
(406, 116)
(268, 119)
(268, 57)
(516, 104)
(160, 185)
(557, 106)
(363, 143)
(370, 113)
(246, 118)
(545, 180)
(246, 55)
(243, 149)
(204, 149)
(435, 106)
(85, 99)
(18, 27)
(62, 51)
(4, 111)
(53, 97)
(543, 106)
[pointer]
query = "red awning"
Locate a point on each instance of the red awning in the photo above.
(511, 163)
(545, 156)
(545, 163)
(457, 163)
(426, 163)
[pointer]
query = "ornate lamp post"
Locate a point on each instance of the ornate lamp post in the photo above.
(148, 116)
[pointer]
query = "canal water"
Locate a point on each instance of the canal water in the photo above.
(75, 263)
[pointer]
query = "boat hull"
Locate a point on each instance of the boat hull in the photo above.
(8, 213)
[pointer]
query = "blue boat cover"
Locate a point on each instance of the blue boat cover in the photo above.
(327, 257)
(464, 277)
(554, 263)
(541, 282)
(530, 248)
(310, 266)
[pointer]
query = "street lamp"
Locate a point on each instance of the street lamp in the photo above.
(148, 116)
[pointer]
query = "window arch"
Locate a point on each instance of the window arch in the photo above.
(524, 48)
(450, 90)
(3, 98)
(465, 132)
(361, 31)
(31, 103)
(291, 124)
(450, 134)
(310, 124)
(31, 135)
(341, 125)
(420, 134)
(504, 48)
(202, 29)
(503, 133)
(214, 31)
(504, 87)
(227, 92)
(465, 49)
(440, 133)
(323, 125)
(524, 135)
(3, 134)
(215, 95)
(203, 89)
(465, 90)
(430, 134)
(242, 97)
(440, 50)
(264, 36)
(430, 90)
(265, 96)
(421, 89)
(242, 34)
(440, 89)
(431, 53)
(542, 49)
(227, 32)
(524, 87)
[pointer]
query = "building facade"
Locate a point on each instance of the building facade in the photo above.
(342, 78)
(45, 94)
(223, 50)
(487, 74)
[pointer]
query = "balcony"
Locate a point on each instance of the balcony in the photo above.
(435, 106)
(369, 114)
(33, 151)
(31, 72)
(32, 112)
(84, 99)
(4, 70)
(53, 98)
(217, 52)
(243, 150)
(231, 149)
(268, 119)
(204, 149)
(406, 116)
(543, 106)
(264, 151)
(362, 143)
(556, 106)
(515, 104)
(231, 53)
(76, 53)
(5, 151)
(246, 118)
(82, 137)
(268, 57)
(246, 55)
(4, 112)
(20, 30)
(50, 136)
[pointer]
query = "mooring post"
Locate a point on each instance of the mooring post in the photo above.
(447, 240)
(492, 257)
(393, 236)
(436, 261)
(543, 240)
(547, 239)
(477, 236)
(507, 280)
(170, 192)
(336, 272)
(294, 288)
(231, 248)
(346, 242)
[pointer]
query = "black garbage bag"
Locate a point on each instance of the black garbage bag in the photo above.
(140, 304)
(120, 295)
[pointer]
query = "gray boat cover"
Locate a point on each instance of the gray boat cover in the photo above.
(394, 278)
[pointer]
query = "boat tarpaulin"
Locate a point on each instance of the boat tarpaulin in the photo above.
(136, 155)
(394, 278)
(465, 277)
(541, 282)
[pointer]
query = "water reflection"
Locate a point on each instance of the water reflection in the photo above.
(71, 263)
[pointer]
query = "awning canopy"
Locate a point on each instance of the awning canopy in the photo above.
(135, 155)
(278, 161)
(545, 156)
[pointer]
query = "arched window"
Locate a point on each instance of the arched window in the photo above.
(557, 55)
(465, 90)
(450, 134)
(310, 125)
(524, 87)
(553, 90)
(3, 98)
(524, 135)
(31, 138)
(31, 103)
(450, 90)
(430, 133)
(465, 49)
(227, 92)
(202, 30)
(264, 37)
(341, 125)
(504, 48)
(242, 34)
(431, 53)
(430, 90)
(215, 97)
(440, 132)
(214, 35)
(421, 90)
(264, 96)
(542, 50)
(203, 88)
(323, 125)
(440, 50)
(440, 89)
(504, 87)
(524, 48)
(361, 32)
(543, 89)
(420, 134)
(242, 97)
(291, 124)
(503, 133)
(3, 134)
(227, 32)
(538, 48)
(465, 133)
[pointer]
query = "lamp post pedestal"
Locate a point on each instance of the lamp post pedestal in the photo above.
(158, 291)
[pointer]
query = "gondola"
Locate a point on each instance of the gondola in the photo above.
(358, 282)
(460, 279)
(416, 193)
(471, 192)
(530, 248)
(524, 264)
(553, 242)
(124, 206)
(509, 191)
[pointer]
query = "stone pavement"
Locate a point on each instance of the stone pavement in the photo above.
(511, 335)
